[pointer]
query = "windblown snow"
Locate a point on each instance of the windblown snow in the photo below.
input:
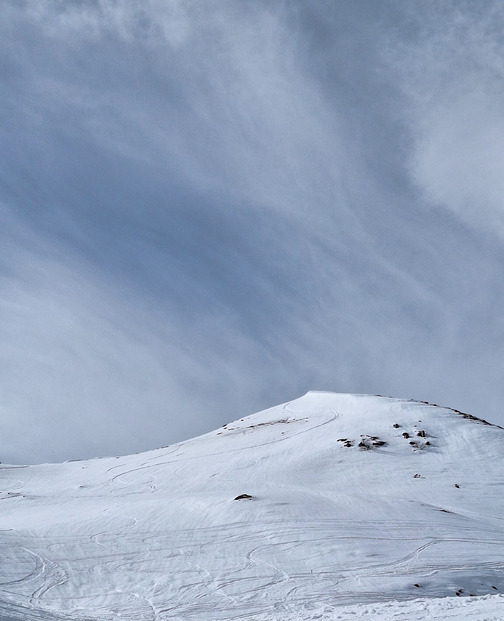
(328, 507)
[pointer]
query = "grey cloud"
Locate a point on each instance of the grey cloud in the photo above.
(228, 108)
(212, 207)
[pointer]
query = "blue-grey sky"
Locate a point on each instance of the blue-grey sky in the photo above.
(211, 207)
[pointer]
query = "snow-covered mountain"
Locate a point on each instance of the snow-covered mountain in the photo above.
(328, 507)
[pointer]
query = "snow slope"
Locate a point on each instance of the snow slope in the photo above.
(397, 528)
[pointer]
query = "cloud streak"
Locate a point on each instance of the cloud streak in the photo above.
(81, 362)
(452, 76)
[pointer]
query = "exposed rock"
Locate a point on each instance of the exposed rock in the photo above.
(244, 497)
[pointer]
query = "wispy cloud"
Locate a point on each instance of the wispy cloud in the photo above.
(84, 365)
(451, 73)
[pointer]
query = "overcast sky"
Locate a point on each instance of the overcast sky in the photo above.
(209, 207)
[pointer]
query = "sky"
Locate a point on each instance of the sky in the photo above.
(211, 207)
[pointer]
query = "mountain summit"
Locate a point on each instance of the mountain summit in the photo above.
(298, 512)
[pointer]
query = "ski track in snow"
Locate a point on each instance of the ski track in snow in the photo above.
(331, 532)
(146, 465)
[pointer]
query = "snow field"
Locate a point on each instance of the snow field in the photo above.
(331, 529)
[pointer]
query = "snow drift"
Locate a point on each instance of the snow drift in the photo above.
(327, 506)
